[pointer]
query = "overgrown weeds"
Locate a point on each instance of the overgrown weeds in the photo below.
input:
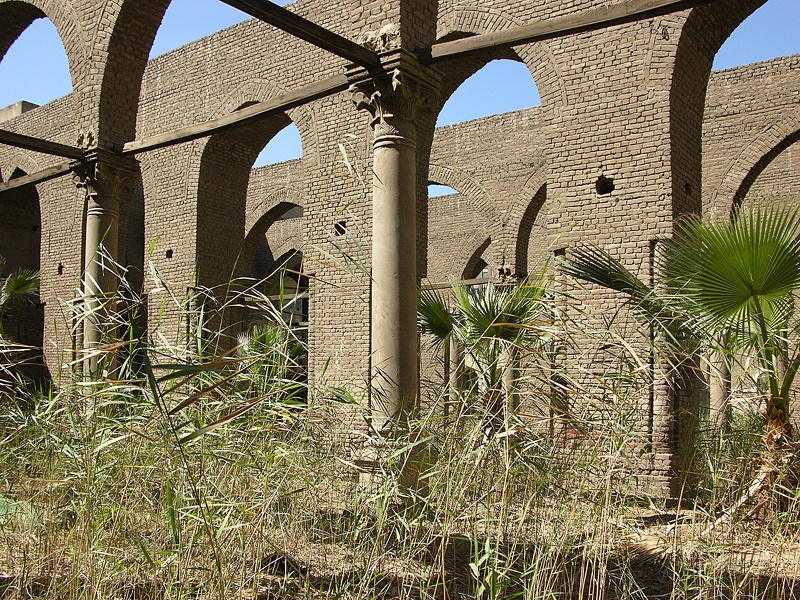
(184, 475)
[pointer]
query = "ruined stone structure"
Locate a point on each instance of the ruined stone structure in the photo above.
(626, 103)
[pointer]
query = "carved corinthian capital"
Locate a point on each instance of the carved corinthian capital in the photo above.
(394, 96)
(105, 176)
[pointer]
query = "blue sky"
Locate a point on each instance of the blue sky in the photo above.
(35, 67)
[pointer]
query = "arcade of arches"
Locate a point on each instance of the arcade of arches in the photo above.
(648, 116)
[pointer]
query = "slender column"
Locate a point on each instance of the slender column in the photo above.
(454, 376)
(392, 97)
(106, 181)
(719, 391)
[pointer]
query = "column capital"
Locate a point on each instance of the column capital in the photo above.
(394, 93)
(106, 175)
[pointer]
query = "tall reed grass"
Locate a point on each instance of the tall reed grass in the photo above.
(189, 475)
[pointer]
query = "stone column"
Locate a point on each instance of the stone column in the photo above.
(107, 180)
(719, 391)
(392, 95)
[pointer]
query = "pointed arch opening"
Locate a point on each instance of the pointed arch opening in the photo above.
(227, 189)
(477, 266)
(769, 32)
(706, 29)
(34, 68)
(532, 241)
(286, 145)
(20, 246)
(458, 223)
(437, 191)
(502, 85)
(275, 244)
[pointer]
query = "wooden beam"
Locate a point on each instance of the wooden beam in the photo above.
(249, 114)
(38, 145)
(626, 11)
(40, 176)
(306, 30)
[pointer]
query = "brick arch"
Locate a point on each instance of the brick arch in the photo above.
(224, 172)
(521, 203)
(469, 189)
(287, 248)
(21, 246)
(126, 50)
(704, 31)
(472, 258)
(17, 15)
(280, 206)
(525, 228)
(751, 162)
(221, 196)
(18, 160)
(460, 20)
(303, 117)
(263, 215)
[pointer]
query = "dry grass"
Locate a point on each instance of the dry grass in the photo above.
(106, 494)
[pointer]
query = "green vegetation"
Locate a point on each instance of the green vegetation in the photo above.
(224, 472)
(15, 285)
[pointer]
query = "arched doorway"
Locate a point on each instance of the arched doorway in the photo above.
(20, 246)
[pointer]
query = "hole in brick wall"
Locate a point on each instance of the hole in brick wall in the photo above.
(687, 188)
(560, 252)
(340, 228)
(604, 185)
(168, 253)
(60, 268)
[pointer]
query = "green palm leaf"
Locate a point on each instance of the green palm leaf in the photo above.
(738, 272)
(434, 315)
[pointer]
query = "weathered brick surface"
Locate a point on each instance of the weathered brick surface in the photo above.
(751, 123)
(627, 103)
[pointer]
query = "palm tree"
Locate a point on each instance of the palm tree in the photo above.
(19, 284)
(728, 286)
(489, 325)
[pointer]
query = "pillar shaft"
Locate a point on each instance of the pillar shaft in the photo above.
(393, 96)
(100, 256)
(719, 391)
(395, 368)
(107, 181)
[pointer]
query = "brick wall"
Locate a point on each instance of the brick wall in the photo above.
(626, 103)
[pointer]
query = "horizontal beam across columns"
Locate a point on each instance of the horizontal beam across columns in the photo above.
(627, 11)
(38, 145)
(40, 176)
(306, 30)
(249, 114)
